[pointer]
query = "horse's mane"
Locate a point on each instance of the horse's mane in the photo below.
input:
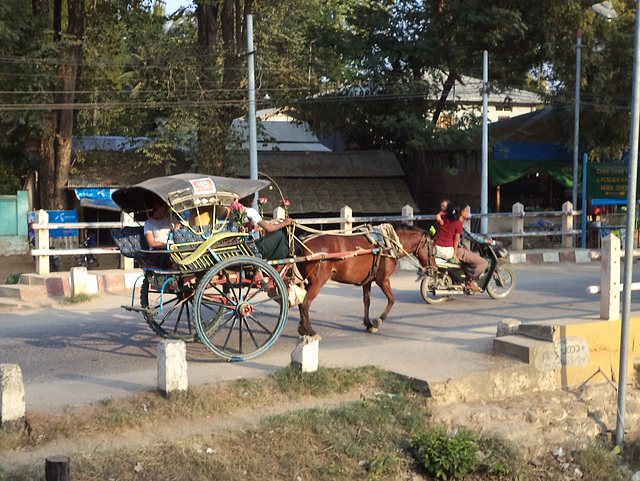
(405, 226)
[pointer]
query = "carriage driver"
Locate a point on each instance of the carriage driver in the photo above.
(273, 244)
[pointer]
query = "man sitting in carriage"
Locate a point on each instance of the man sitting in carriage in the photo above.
(274, 243)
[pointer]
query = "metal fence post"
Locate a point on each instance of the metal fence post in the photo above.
(407, 211)
(517, 225)
(42, 242)
(567, 224)
(610, 279)
(346, 213)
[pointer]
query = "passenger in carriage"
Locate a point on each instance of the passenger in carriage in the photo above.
(448, 244)
(157, 228)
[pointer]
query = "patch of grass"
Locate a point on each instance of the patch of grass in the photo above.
(13, 279)
(147, 409)
(77, 299)
(600, 463)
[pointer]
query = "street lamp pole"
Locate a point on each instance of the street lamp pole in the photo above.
(629, 234)
(576, 124)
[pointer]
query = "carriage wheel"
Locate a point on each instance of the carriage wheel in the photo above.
(428, 286)
(172, 314)
(502, 282)
(241, 308)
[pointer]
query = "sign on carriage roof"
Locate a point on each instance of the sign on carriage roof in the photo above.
(203, 186)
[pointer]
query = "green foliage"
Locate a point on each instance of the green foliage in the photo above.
(444, 456)
(379, 464)
(13, 279)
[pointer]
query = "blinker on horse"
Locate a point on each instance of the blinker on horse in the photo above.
(357, 270)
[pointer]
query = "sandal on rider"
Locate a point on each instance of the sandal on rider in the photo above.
(472, 286)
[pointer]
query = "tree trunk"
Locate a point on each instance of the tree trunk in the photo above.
(446, 89)
(55, 151)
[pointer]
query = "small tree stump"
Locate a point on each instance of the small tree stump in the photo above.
(57, 468)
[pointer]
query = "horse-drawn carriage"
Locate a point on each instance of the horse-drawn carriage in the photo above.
(212, 283)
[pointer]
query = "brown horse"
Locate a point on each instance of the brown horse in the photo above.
(357, 270)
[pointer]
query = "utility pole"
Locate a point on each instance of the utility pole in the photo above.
(253, 143)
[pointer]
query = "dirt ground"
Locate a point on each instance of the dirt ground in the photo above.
(25, 263)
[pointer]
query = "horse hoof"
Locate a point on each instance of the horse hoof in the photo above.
(376, 322)
(372, 329)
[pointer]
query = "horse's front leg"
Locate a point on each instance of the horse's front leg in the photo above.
(366, 300)
(314, 286)
(384, 281)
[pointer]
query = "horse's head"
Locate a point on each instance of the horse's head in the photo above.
(417, 242)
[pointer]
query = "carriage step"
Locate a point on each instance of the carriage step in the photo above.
(143, 310)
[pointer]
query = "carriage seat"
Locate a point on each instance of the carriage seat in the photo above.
(131, 243)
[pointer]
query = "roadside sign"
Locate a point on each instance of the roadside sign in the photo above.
(607, 181)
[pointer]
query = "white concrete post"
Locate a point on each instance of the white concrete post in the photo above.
(407, 211)
(127, 263)
(346, 213)
(172, 367)
(279, 213)
(567, 224)
(610, 279)
(12, 399)
(305, 354)
(78, 280)
(42, 242)
(517, 226)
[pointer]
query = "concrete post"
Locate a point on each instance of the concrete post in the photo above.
(42, 242)
(346, 213)
(172, 367)
(407, 211)
(517, 226)
(78, 281)
(12, 399)
(567, 225)
(279, 213)
(127, 263)
(610, 279)
(305, 354)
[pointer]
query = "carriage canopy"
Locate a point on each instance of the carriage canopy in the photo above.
(185, 191)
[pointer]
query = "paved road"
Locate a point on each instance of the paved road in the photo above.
(75, 355)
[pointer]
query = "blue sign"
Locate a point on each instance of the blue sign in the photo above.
(59, 217)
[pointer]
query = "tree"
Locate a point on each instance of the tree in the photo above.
(401, 53)
(606, 75)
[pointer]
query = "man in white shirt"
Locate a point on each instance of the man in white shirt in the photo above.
(274, 244)
(158, 227)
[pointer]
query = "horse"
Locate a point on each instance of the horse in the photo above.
(360, 269)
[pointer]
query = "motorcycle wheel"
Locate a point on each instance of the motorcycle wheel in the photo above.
(427, 285)
(502, 282)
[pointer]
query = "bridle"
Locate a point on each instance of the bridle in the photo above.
(421, 244)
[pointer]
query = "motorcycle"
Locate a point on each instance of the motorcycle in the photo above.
(448, 278)
(86, 260)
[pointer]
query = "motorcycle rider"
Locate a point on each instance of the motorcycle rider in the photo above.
(448, 244)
